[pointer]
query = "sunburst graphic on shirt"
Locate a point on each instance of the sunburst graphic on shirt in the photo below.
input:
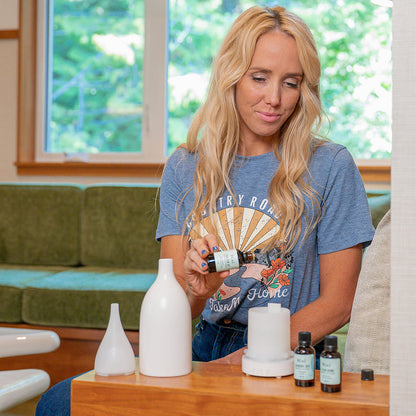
(247, 229)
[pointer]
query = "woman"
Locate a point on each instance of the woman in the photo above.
(254, 176)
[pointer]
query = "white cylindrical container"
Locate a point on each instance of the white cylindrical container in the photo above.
(268, 333)
(165, 337)
(115, 355)
(268, 350)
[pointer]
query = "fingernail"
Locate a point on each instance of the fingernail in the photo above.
(215, 248)
(203, 252)
(203, 265)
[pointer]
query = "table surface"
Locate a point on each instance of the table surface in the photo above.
(213, 389)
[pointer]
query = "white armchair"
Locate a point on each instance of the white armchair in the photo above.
(17, 386)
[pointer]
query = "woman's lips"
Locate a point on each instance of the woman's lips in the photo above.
(269, 117)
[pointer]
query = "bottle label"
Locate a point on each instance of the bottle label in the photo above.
(226, 260)
(330, 371)
(304, 366)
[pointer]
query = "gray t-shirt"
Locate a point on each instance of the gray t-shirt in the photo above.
(291, 279)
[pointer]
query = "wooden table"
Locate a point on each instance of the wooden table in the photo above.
(220, 389)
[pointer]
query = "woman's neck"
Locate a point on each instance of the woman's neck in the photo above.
(254, 148)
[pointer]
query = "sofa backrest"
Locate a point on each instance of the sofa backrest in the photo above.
(118, 226)
(40, 224)
(110, 225)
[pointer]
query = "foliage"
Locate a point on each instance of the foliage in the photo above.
(98, 80)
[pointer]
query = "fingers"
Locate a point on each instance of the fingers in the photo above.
(195, 262)
(205, 245)
(199, 251)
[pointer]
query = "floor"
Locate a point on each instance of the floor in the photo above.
(24, 409)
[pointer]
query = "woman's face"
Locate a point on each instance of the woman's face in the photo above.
(268, 92)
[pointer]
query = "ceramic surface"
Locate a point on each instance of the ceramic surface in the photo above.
(18, 341)
(17, 386)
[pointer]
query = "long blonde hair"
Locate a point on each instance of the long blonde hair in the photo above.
(214, 134)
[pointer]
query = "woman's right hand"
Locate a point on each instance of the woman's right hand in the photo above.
(200, 283)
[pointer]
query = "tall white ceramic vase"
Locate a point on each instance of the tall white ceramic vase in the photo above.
(115, 355)
(165, 337)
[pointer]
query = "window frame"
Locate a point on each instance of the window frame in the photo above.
(31, 160)
(151, 162)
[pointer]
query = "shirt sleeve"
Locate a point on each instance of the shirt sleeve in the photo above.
(172, 192)
(346, 219)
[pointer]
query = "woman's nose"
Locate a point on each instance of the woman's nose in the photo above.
(273, 95)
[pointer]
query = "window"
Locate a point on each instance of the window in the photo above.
(94, 106)
(354, 43)
(108, 97)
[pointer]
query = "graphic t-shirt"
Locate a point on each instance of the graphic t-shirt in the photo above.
(249, 222)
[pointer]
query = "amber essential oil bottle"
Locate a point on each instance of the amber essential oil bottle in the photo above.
(304, 361)
(331, 365)
(228, 259)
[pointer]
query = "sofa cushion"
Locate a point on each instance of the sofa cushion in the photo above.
(379, 203)
(81, 297)
(40, 224)
(13, 279)
(341, 334)
(118, 226)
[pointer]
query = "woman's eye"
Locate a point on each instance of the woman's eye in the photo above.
(292, 84)
(258, 79)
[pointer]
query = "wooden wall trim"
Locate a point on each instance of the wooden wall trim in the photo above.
(91, 169)
(375, 173)
(26, 117)
(9, 34)
(368, 173)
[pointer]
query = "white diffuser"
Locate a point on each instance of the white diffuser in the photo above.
(165, 337)
(115, 355)
(268, 352)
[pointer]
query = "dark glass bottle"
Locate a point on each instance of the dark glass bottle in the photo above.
(228, 259)
(331, 365)
(304, 361)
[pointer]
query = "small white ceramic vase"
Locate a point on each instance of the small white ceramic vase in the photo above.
(165, 337)
(115, 355)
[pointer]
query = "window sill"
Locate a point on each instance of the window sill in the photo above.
(375, 173)
(90, 169)
(368, 173)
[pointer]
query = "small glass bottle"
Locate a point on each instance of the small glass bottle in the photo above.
(304, 361)
(331, 365)
(228, 259)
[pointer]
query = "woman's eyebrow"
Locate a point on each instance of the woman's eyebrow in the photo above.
(268, 71)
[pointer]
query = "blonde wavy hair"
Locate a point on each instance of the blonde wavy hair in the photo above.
(214, 134)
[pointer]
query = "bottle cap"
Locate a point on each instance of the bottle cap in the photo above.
(304, 338)
(331, 343)
(367, 374)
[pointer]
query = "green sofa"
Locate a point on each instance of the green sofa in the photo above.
(68, 251)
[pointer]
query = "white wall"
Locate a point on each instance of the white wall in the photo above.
(403, 244)
(8, 108)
